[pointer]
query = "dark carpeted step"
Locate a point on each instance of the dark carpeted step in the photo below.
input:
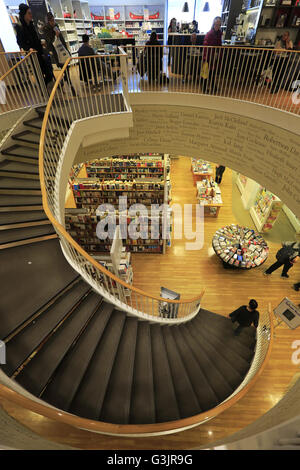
(19, 168)
(225, 321)
(35, 375)
(19, 151)
(206, 395)
(142, 408)
(25, 233)
(20, 200)
(15, 217)
(67, 378)
(227, 369)
(186, 397)
(19, 183)
(38, 272)
(116, 405)
(205, 354)
(27, 137)
(34, 124)
(89, 398)
(166, 406)
(19, 348)
(227, 341)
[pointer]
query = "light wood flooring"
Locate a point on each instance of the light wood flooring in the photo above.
(188, 272)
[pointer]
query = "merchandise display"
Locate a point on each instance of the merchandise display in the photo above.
(265, 210)
(241, 182)
(201, 169)
(209, 196)
(240, 247)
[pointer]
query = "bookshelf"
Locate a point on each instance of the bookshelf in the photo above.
(265, 210)
(209, 196)
(230, 10)
(143, 179)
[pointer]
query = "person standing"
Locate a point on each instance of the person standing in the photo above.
(210, 55)
(154, 56)
(281, 62)
(50, 33)
(245, 316)
(219, 173)
(28, 40)
(287, 256)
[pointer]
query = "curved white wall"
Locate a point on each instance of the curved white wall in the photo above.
(261, 143)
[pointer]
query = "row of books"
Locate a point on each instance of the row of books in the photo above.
(119, 186)
(124, 163)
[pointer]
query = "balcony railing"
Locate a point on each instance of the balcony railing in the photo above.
(21, 81)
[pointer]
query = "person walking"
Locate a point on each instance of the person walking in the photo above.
(50, 33)
(219, 173)
(281, 62)
(210, 55)
(28, 40)
(287, 256)
(245, 316)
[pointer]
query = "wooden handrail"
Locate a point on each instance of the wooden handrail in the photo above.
(63, 231)
(17, 64)
(131, 429)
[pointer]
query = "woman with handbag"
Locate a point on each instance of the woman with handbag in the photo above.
(210, 56)
(55, 42)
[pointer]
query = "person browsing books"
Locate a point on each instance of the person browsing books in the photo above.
(287, 256)
(245, 316)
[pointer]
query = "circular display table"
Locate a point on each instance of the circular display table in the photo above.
(240, 247)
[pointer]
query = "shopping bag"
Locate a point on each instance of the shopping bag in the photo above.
(204, 70)
(61, 51)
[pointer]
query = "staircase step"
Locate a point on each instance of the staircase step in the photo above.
(186, 398)
(206, 395)
(206, 354)
(223, 322)
(35, 283)
(64, 385)
(16, 217)
(116, 406)
(19, 183)
(19, 168)
(227, 369)
(35, 124)
(238, 350)
(22, 345)
(38, 372)
(16, 201)
(27, 139)
(166, 407)
(18, 150)
(23, 233)
(40, 111)
(142, 410)
(90, 395)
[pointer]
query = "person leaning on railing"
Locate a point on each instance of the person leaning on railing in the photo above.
(154, 56)
(50, 33)
(28, 40)
(210, 55)
(281, 63)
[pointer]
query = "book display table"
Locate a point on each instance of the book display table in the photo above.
(200, 169)
(240, 247)
(209, 196)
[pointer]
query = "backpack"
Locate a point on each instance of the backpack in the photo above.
(286, 252)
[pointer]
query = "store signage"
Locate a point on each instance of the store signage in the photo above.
(39, 12)
(146, 14)
(289, 313)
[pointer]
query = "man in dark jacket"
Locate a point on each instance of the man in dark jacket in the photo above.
(50, 33)
(28, 40)
(287, 256)
(245, 316)
(210, 54)
(94, 68)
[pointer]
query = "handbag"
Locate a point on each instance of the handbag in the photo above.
(61, 51)
(204, 71)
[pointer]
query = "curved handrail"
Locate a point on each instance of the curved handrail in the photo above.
(34, 94)
(140, 301)
(157, 428)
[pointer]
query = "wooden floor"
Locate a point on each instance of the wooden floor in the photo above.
(188, 272)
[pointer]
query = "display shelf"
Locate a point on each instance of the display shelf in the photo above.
(240, 247)
(265, 210)
(209, 196)
(201, 169)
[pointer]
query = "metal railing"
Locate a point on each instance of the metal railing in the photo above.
(95, 83)
(21, 80)
(265, 76)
